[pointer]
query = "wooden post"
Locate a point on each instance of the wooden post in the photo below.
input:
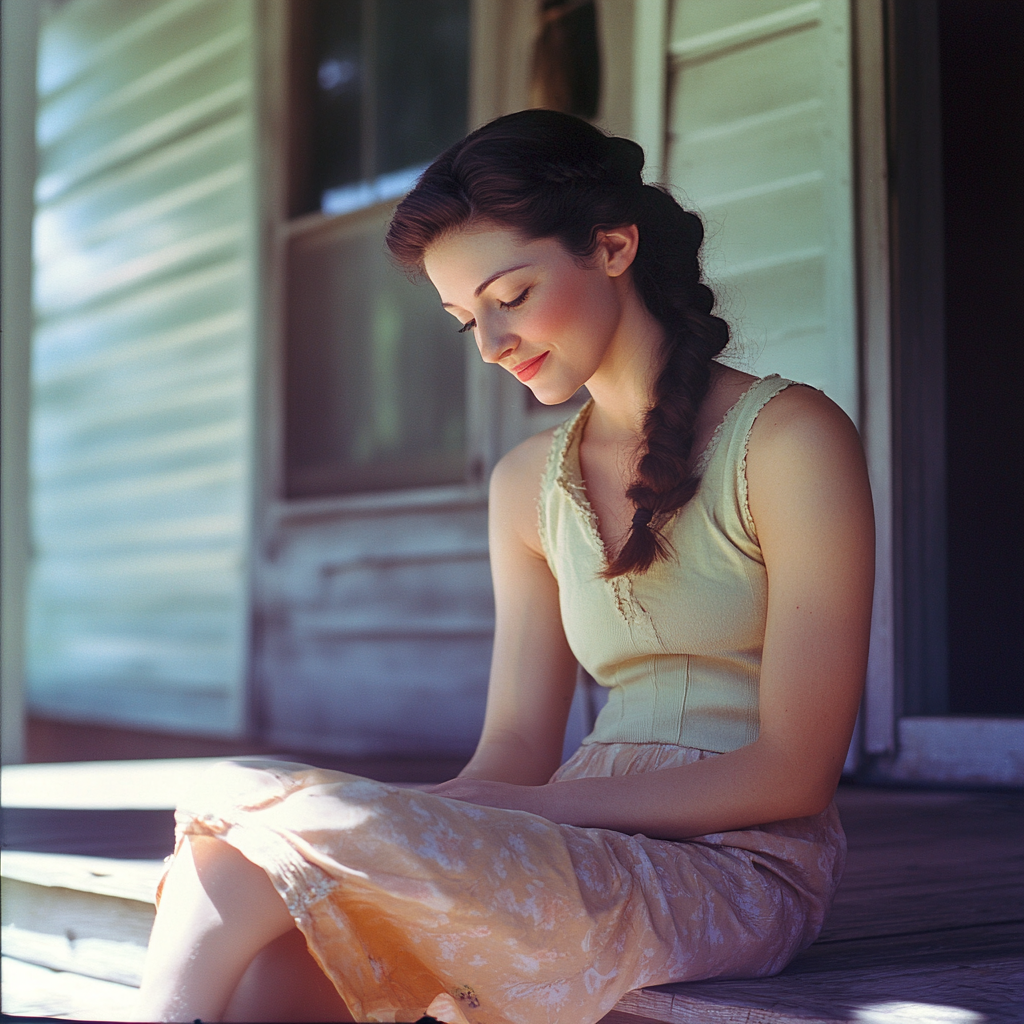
(879, 723)
(19, 29)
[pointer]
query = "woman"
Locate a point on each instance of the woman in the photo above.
(698, 539)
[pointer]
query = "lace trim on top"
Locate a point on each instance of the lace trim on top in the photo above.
(565, 473)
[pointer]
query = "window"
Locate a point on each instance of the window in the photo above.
(375, 371)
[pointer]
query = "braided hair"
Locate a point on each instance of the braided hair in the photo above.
(547, 174)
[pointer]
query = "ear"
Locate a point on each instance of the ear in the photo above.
(617, 247)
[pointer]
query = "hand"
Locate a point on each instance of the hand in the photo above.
(494, 794)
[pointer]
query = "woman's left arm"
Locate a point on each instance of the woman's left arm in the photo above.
(811, 505)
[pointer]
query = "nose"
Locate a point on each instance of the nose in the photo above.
(495, 347)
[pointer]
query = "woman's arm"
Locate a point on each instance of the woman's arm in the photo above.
(533, 672)
(810, 501)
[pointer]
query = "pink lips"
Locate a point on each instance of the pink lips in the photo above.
(528, 370)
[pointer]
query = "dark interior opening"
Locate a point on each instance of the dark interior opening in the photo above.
(981, 55)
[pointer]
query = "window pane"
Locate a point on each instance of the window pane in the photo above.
(376, 369)
(339, 93)
(422, 79)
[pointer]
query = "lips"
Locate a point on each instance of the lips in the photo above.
(528, 370)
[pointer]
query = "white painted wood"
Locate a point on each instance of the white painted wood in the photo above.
(134, 880)
(100, 785)
(65, 929)
(759, 142)
(958, 751)
(143, 362)
(649, 70)
(879, 715)
(33, 991)
(19, 29)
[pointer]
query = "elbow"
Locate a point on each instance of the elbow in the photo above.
(814, 797)
(798, 796)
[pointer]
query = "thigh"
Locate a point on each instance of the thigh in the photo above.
(284, 983)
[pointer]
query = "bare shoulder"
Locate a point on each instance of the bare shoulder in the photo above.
(805, 459)
(515, 488)
(518, 472)
(799, 419)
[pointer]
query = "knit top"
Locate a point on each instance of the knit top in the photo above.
(678, 647)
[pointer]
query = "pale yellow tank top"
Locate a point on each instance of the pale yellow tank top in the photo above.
(679, 647)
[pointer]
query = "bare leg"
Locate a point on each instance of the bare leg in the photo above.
(217, 911)
(284, 983)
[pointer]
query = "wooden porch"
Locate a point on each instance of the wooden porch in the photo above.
(928, 925)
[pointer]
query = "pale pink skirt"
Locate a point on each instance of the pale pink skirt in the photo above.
(412, 902)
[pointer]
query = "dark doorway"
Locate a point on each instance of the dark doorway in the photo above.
(981, 52)
(956, 81)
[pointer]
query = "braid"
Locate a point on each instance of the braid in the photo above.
(551, 175)
(668, 279)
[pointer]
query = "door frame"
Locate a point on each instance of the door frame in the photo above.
(902, 427)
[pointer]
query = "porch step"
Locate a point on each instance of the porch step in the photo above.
(28, 990)
(88, 915)
(928, 927)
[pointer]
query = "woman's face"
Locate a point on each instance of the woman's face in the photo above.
(531, 307)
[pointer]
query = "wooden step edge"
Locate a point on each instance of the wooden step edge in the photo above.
(675, 1008)
(33, 991)
(103, 959)
(104, 876)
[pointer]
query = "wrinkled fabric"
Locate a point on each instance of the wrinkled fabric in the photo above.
(411, 901)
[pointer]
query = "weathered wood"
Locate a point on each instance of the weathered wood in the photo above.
(33, 991)
(374, 630)
(928, 925)
(99, 936)
(103, 876)
(657, 1005)
(852, 981)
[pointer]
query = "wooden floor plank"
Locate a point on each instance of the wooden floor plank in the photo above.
(929, 919)
(980, 970)
(126, 879)
(31, 991)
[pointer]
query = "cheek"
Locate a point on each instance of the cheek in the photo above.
(576, 310)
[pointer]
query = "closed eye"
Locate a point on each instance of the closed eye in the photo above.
(515, 302)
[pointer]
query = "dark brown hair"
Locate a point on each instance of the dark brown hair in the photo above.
(550, 175)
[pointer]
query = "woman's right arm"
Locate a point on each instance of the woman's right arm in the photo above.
(533, 672)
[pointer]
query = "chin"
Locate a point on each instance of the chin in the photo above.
(551, 396)
(554, 392)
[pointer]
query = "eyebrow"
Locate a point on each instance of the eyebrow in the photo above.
(490, 281)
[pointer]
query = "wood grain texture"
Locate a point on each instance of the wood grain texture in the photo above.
(90, 934)
(930, 914)
(33, 991)
(374, 631)
(928, 925)
(104, 876)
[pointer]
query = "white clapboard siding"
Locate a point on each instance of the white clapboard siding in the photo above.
(759, 143)
(143, 363)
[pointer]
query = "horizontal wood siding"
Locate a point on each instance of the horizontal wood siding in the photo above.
(759, 143)
(143, 363)
(375, 626)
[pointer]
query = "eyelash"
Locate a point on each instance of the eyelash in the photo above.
(514, 304)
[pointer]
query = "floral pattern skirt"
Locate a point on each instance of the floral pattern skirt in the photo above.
(414, 903)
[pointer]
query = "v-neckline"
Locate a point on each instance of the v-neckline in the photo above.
(570, 473)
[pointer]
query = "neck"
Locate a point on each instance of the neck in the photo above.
(623, 385)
